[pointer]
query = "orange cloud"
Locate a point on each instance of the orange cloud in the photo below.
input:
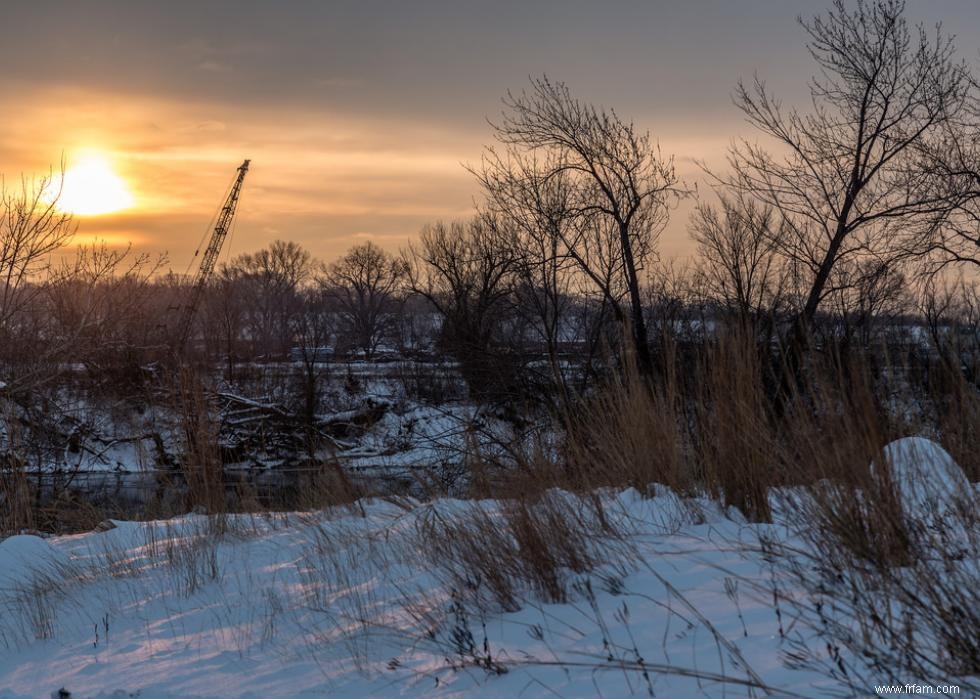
(317, 177)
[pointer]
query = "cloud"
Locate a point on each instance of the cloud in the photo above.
(337, 83)
(211, 126)
(316, 177)
(210, 66)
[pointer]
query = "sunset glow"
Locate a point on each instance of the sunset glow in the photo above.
(358, 128)
(91, 187)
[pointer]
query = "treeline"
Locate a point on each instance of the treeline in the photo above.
(851, 223)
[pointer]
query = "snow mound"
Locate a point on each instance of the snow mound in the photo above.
(934, 493)
(927, 478)
(24, 556)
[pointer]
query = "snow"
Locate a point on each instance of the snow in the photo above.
(416, 436)
(348, 602)
(23, 556)
(931, 488)
(926, 477)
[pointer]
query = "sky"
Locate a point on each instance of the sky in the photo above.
(360, 117)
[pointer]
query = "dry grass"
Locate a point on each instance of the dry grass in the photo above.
(529, 548)
(200, 457)
(898, 592)
(734, 435)
(17, 507)
(17, 511)
(68, 511)
(894, 587)
(628, 434)
(326, 485)
(709, 426)
(957, 403)
(190, 552)
(833, 436)
(30, 608)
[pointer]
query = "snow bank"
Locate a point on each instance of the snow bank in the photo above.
(927, 478)
(24, 557)
(346, 603)
(337, 604)
(932, 489)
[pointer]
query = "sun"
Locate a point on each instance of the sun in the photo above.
(90, 188)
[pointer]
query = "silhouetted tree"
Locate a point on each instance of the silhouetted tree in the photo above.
(465, 271)
(31, 228)
(270, 281)
(314, 328)
(365, 285)
(854, 177)
(738, 266)
(596, 189)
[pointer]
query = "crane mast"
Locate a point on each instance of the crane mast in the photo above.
(210, 259)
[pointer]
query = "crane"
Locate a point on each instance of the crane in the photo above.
(218, 235)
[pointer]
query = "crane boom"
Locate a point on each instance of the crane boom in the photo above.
(210, 259)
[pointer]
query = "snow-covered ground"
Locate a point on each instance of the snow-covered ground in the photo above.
(350, 603)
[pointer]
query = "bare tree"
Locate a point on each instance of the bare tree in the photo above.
(738, 262)
(585, 178)
(314, 328)
(950, 307)
(465, 271)
(87, 315)
(866, 297)
(270, 281)
(670, 298)
(284, 262)
(225, 314)
(545, 271)
(98, 300)
(31, 228)
(955, 241)
(365, 284)
(854, 177)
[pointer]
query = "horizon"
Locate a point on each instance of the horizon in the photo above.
(360, 121)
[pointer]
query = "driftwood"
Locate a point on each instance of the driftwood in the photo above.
(238, 410)
(345, 423)
(251, 426)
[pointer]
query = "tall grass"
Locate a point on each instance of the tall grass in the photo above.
(200, 456)
(709, 425)
(957, 413)
(17, 508)
(628, 434)
(874, 582)
(526, 548)
(732, 431)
